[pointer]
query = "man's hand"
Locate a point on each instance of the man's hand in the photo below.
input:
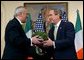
(47, 43)
(35, 40)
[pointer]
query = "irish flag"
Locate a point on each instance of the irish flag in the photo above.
(79, 37)
(28, 27)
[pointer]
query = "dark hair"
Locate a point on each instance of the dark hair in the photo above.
(58, 11)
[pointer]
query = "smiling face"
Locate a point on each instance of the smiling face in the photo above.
(53, 17)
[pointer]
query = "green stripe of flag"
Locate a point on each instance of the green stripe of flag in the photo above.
(78, 23)
(28, 23)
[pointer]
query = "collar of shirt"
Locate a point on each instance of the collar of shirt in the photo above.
(19, 20)
(57, 25)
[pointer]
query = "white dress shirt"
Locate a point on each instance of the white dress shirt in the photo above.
(55, 32)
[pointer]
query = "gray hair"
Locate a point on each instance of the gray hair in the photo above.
(18, 10)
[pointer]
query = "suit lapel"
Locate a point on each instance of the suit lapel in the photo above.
(59, 29)
(18, 24)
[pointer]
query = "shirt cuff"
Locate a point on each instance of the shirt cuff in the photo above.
(54, 45)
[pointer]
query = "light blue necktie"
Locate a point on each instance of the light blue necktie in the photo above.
(55, 32)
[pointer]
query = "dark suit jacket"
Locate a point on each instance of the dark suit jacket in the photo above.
(65, 48)
(16, 42)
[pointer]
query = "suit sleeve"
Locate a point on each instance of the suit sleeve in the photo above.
(69, 40)
(18, 39)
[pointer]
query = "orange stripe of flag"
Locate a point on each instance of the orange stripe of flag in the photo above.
(80, 54)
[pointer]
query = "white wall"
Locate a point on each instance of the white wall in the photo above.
(8, 7)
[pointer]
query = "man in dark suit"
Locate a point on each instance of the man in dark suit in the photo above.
(17, 45)
(61, 36)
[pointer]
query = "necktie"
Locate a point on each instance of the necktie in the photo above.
(55, 32)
